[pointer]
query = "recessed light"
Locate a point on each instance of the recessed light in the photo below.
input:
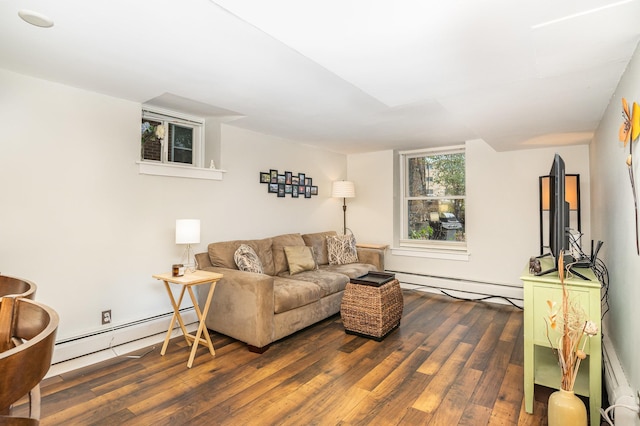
(35, 18)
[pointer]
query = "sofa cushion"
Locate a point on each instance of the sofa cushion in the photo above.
(278, 244)
(352, 270)
(290, 293)
(300, 259)
(342, 249)
(222, 253)
(247, 260)
(329, 281)
(318, 241)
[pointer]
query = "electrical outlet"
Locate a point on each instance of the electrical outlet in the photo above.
(106, 317)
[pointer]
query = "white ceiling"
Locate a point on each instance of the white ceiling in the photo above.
(348, 75)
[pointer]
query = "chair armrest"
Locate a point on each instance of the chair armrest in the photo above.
(203, 260)
(242, 306)
(372, 256)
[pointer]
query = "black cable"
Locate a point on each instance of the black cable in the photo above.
(480, 298)
(597, 266)
(454, 279)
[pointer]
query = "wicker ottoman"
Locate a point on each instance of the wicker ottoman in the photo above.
(372, 311)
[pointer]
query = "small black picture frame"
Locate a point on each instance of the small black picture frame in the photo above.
(265, 177)
(274, 176)
(281, 179)
(301, 176)
(295, 180)
(273, 188)
(288, 189)
(307, 181)
(294, 191)
(281, 190)
(314, 190)
(307, 192)
(287, 178)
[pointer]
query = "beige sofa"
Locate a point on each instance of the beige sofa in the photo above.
(259, 309)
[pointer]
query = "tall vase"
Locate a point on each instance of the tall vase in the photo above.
(566, 409)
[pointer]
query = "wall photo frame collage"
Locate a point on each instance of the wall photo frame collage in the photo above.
(296, 185)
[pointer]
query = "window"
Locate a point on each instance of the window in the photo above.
(433, 198)
(172, 138)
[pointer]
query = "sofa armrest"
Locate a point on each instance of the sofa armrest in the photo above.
(242, 306)
(203, 260)
(372, 256)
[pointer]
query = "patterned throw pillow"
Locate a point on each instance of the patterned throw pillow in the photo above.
(247, 260)
(342, 249)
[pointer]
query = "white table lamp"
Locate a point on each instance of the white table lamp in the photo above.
(188, 232)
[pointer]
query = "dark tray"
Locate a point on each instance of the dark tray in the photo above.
(374, 279)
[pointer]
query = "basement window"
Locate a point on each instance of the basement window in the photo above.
(433, 203)
(172, 144)
(171, 138)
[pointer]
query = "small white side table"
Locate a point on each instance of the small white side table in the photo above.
(187, 281)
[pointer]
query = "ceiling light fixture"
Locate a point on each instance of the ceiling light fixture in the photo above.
(35, 18)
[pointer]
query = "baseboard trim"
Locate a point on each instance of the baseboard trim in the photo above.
(81, 351)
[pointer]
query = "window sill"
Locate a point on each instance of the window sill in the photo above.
(431, 253)
(174, 170)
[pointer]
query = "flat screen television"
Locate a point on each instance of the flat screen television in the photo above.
(558, 215)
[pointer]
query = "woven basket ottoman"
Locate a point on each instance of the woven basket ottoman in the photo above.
(372, 311)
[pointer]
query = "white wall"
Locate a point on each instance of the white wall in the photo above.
(613, 222)
(502, 215)
(79, 221)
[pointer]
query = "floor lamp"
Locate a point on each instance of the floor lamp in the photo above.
(343, 189)
(188, 232)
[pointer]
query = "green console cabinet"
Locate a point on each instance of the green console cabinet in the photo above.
(540, 362)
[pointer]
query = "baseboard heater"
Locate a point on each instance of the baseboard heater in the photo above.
(146, 331)
(464, 289)
(617, 385)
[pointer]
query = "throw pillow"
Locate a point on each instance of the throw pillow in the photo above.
(247, 260)
(341, 249)
(300, 258)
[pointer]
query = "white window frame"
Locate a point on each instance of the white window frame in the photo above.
(413, 247)
(171, 117)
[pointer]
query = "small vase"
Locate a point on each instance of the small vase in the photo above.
(566, 409)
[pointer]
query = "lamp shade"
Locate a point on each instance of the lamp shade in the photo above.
(187, 231)
(570, 195)
(343, 189)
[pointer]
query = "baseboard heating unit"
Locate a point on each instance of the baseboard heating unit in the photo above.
(461, 288)
(81, 351)
(617, 386)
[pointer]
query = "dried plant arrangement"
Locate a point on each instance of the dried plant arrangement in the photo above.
(568, 319)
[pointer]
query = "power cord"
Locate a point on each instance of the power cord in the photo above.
(605, 413)
(479, 299)
(597, 266)
(113, 349)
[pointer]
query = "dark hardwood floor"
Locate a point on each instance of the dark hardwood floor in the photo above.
(450, 362)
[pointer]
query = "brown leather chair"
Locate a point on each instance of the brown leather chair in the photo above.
(28, 331)
(17, 287)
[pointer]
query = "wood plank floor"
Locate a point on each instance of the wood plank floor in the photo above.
(450, 363)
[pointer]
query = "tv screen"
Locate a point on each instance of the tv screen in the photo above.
(558, 213)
